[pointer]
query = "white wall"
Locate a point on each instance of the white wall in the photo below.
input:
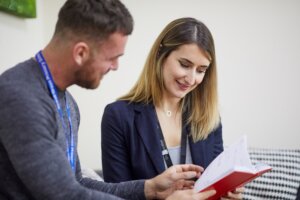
(257, 45)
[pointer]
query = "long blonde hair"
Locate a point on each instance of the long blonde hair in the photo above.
(200, 106)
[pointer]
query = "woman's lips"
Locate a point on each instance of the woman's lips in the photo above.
(182, 86)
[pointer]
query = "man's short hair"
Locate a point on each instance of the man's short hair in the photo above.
(93, 19)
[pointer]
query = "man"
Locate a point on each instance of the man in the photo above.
(39, 118)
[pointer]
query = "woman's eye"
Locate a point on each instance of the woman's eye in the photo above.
(201, 71)
(183, 65)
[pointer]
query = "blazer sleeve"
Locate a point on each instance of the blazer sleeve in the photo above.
(115, 156)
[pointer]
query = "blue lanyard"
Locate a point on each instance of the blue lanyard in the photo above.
(69, 138)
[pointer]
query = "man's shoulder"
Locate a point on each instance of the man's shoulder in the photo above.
(24, 106)
(21, 87)
(23, 79)
(18, 69)
(22, 95)
(25, 73)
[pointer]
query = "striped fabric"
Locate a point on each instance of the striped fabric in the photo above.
(282, 182)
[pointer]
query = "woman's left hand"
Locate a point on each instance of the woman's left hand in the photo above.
(236, 194)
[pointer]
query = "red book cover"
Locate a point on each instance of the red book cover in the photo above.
(231, 169)
(231, 181)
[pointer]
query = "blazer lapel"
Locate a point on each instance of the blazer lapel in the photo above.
(146, 125)
(197, 152)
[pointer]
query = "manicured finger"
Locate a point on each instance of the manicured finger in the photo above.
(239, 190)
(206, 194)
(232, 195)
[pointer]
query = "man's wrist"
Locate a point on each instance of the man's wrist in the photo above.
(150, 189)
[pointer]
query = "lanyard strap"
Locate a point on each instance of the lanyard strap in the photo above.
(164, 149)
(53, 90)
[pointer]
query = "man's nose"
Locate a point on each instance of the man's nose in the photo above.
(114, 66)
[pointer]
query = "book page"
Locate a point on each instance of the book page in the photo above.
(235, 157)
(259, 167)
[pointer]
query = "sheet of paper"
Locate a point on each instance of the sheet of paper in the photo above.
(234, 156)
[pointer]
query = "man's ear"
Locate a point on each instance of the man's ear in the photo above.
(81, 53)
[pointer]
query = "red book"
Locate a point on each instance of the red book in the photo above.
(231, 169)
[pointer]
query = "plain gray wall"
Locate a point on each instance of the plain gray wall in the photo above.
(257, 48)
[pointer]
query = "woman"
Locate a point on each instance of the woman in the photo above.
(171, 115)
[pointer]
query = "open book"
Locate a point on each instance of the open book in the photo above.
(231, 169)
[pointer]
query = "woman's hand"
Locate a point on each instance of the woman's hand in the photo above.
(177, 177)
(236, 194)
(190, 195)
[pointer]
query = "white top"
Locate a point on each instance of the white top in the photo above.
(174, 153)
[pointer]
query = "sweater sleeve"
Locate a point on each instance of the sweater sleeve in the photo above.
(27, 129)
(126, 190)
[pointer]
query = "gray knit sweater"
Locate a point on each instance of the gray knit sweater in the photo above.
(33, 161)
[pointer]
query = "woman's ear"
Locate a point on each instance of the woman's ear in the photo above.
(81, 53)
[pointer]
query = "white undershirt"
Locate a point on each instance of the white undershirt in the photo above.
(174, 153)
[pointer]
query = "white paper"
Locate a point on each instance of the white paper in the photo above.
(235, 157)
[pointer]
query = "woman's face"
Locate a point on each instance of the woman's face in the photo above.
(184, 70)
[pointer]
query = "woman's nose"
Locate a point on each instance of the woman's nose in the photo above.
(190, 77)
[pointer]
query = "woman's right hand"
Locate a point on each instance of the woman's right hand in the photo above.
(190, 195)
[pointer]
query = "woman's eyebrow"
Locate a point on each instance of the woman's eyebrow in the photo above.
(190, 62)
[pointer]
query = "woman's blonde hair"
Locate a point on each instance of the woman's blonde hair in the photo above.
(200, 106)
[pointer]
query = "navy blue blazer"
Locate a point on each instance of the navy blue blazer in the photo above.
(131, 145)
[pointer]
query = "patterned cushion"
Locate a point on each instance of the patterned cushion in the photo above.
(90, 173)
(282, 182)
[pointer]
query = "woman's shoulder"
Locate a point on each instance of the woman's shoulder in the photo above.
(120, 104)
(125, 107)
(125, 104)
(120, 107)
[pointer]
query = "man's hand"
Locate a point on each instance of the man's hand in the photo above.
(190, 195)
(174, 178)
